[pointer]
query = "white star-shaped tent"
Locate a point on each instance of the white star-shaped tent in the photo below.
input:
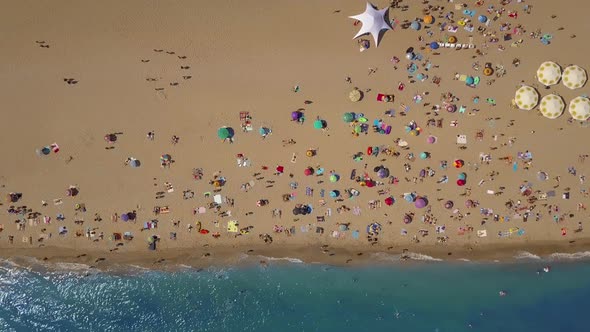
(373, 21)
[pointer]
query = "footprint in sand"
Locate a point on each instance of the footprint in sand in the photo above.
(145, 60)
(170, 52)
(70, 81)
(174, 84)
(185, 67)
(188, 77)
(182, 57)
(158, 50)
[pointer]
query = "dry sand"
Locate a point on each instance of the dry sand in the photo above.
(247, 56)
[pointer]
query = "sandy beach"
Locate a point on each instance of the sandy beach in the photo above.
(113, 110)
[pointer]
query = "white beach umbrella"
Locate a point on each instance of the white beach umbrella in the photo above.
(373, 22)
(526, 98)
(580, 108)
(549, 73)
(552, 106)
(574, 77)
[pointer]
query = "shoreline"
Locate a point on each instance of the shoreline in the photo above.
(252, 255)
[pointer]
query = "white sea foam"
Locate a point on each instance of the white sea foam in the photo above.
(575, 255)
(288, 259)
(464, 260)
(421, 257)
(526, 255)
(382, 256)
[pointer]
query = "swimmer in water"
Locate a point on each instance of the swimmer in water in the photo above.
(502, 293)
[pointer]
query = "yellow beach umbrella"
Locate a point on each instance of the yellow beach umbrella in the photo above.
(552, 106)
(549, 73)
(526, 98)
(580, 108)
(355, 95)
(574, 77)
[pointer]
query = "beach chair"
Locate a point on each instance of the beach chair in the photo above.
(320, 219)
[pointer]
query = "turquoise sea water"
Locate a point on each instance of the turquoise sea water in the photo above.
(300, 297)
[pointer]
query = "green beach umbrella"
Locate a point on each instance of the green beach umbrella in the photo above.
(318, 124)
(348, 117)
(334, 178)
(223, 133)
(357, 129)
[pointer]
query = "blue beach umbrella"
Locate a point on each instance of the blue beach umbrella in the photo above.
(334, 193)
(434, 45)
(482, 19)
(469, 80)
(415, 25)
(409, 198)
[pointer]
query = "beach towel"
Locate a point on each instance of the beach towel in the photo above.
(232, 226)
(217, 199)
(482, 233)
(355, 235)
(308, 191)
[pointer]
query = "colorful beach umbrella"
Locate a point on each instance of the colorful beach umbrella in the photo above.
(574, 77)
(449, 204)
(318, 124)
(458, 163)
(526, 98)
(461, 183)
(334, 178)
(552, 106)
(296, 115)
(579, 108)
(308, 171)
(462, 176)
(420, 202)
(424, 155)
(348, 117)
(549, 73)
(355, 95)
(434, 45)
(409, 197)
(223, 133)
(389, 201)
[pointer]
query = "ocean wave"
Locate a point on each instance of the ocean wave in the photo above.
(526, 255)
(464, 260)
(570, 256)
(288, 259)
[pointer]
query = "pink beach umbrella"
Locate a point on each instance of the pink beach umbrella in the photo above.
(431, 139)
(308, 171)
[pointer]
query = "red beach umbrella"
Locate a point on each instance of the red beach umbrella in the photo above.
(461, 183)
(389, 201)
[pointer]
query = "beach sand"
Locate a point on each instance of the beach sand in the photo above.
(76, 71)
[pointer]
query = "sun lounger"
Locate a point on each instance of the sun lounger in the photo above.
(164, 210)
